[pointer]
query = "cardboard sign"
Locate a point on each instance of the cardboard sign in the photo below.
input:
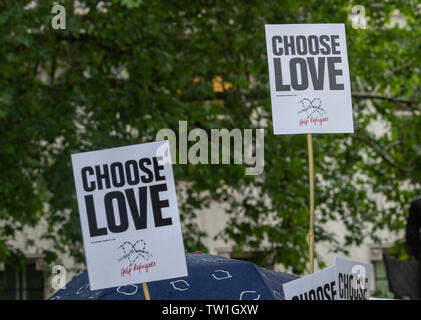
(317, 286)
(309, 78)
(129, 215)
(353, 279)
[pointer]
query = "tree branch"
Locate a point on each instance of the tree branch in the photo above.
(402, 67)
(363, 95)
(373, 145)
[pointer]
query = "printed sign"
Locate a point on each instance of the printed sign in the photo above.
(309, 78)
(129, 215)
(353, 279)
(317, 286)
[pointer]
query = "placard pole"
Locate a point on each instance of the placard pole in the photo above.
(146, 291)
(310, 236)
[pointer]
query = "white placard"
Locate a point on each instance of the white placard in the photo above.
(129, 215)
(309, 78)
(353, 279)
(317, 286)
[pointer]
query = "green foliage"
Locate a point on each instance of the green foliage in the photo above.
(61, 92)
(400, 250)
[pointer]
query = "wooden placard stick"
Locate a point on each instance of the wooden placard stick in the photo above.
(310, 236)
(146, 291)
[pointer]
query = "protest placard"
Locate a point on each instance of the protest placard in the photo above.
(317, 286)
(353, 279)
(309, 78)
(310, 87)
(129, 215)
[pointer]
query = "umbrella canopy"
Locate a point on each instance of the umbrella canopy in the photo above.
(209, 278)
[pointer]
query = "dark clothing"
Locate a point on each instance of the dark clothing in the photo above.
(413, 234)
(413, 227)
(403, 277)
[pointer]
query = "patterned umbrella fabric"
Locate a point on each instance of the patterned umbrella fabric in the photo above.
(209, 278)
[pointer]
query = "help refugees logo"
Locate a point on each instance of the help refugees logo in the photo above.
(310, 107)
(312, 111)
(134, 251)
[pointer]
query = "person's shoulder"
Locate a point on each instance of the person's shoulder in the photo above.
(416, 201)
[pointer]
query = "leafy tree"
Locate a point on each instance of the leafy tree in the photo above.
(122, 70)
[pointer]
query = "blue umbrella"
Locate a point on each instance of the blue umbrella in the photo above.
(209, 278)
